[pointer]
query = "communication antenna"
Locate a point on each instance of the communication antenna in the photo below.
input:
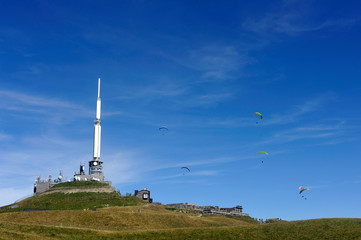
(49, 174)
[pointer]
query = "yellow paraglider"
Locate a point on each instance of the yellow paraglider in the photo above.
(259, 115)
(263, 153)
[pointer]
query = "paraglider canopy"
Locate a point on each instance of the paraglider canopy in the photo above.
(186, 168)
(302, 189)
(262, 152)
(163, 129)
(259, 114)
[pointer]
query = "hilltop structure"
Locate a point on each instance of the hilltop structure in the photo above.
(95, 165)
(43, 185)
(143, 194)
(210, 210)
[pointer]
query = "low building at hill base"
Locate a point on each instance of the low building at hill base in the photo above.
(143, 194)
(210, 210)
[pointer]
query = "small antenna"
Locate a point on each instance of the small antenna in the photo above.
(49, 175)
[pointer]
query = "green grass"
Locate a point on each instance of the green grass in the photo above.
(171, 208)
(150, 217)
(72, 219)
(55, 199)
(330, 229)
(247, 219)
(184, 210)
(80, 184)
(273, 220)
(74, 201)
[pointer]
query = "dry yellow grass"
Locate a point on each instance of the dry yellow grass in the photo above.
(69, 220)
(150, 217)
(317, 229)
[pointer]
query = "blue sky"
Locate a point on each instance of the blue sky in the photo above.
(201, 69)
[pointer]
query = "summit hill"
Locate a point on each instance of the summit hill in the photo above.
(74, 196)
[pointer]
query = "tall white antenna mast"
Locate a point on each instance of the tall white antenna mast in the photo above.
(95, 166)
(98, 87)
(97, 127)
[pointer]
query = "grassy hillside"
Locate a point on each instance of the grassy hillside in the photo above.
(154, 222)
(73, 201)
(55, 200)
(73, 217)
(151, 216)
(82, 184)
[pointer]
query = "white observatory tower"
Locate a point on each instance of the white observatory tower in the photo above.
(95, 166)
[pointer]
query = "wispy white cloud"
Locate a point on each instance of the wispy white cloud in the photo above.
(112, 113)
(211, 161)
(199, 162)
(288, 23)
(357, 181)
(336, 141)
(205, 173)
(198, 181)
(52, 140)
(351, 180)
(218, 62)
(125, 166)
(19, 41)
(186, 175)
(122, 165)
(27, 164)
(13, 97)
(5, 137)
(131, 166)
(180, 94)
(206, 100)
(300, 110)
(34, 155)
(293, 18)
(214, 62)
(57, 110)
(157, 89)
(294, 114)
(324, 132)
(317, 186)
